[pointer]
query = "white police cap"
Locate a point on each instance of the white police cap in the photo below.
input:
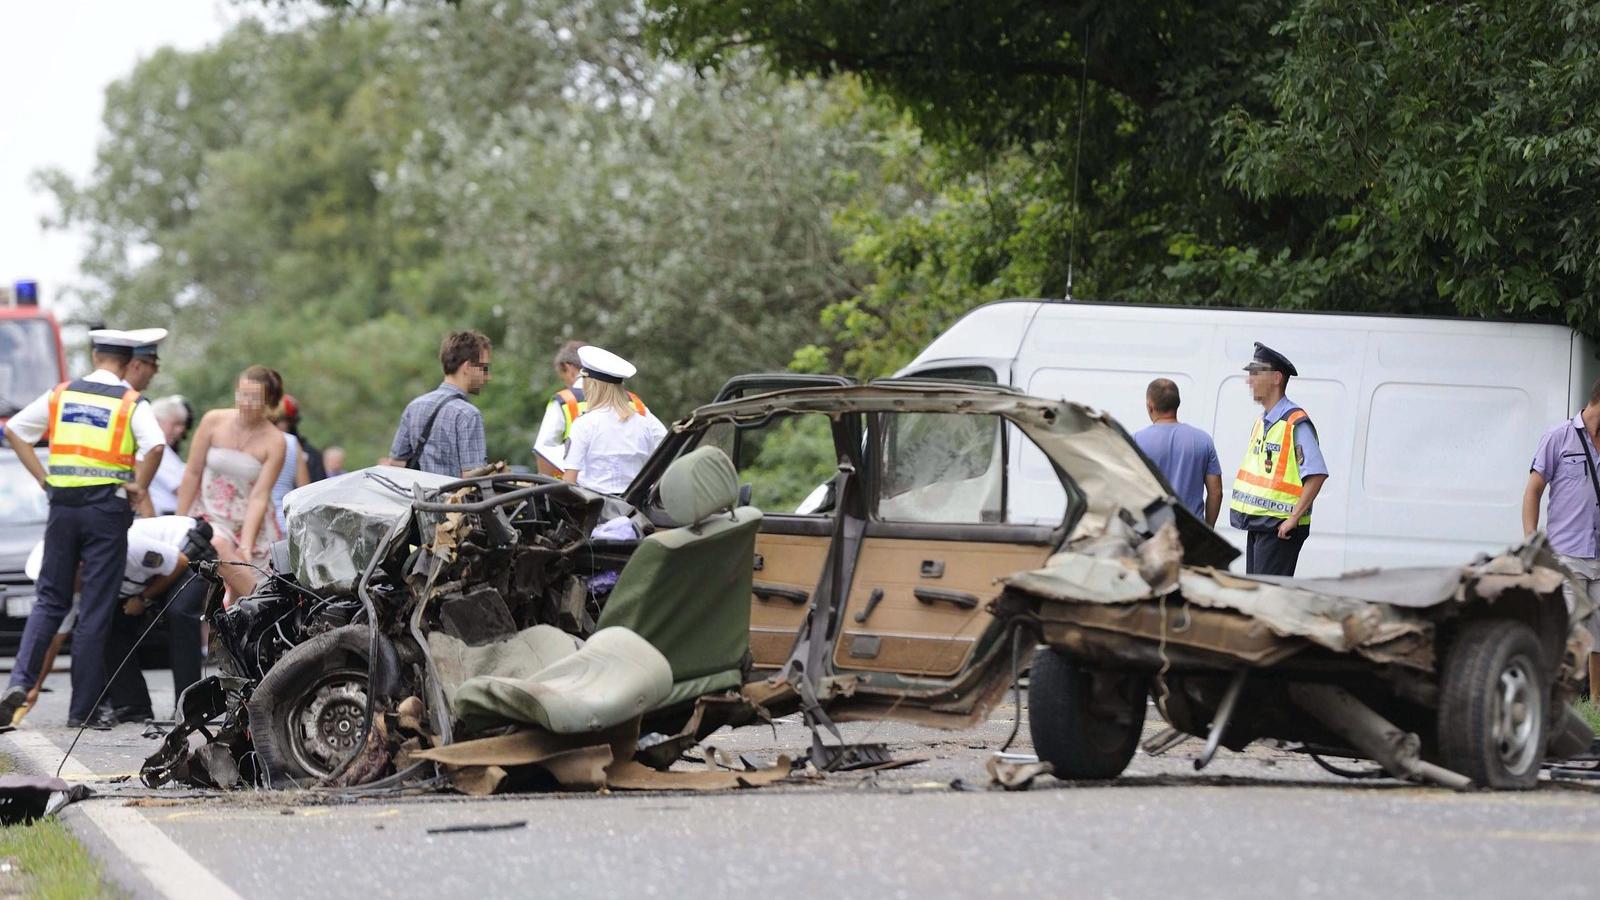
(125, 341)
(148, 339)
(603, 365)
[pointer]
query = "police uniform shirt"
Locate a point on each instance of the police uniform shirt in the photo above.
(608, 452)
(550, 442)
(153, 549)
(1307, 450)
(33, 420)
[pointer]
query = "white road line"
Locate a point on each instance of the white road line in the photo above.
(169, 867)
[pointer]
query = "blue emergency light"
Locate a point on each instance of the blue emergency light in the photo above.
(27, 292)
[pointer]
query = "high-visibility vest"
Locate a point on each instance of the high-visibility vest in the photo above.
(573, 405)
(1268, 483)
(90, 434)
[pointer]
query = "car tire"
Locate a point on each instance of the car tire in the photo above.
(1085, 723)
(1492, 705)
(307, 713)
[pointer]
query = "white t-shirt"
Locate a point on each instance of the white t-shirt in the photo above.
(164, 486)
(608, 452)
(153, 549)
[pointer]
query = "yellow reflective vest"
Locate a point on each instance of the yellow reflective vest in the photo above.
(573, 405)
(91, 435)
(1268, 483)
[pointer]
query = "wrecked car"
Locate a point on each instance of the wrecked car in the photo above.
(808, 544)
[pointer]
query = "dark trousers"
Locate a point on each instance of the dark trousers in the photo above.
(96, 535)
(1267, 554)
(181, 619)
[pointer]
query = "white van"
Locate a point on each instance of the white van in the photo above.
(1428, 424)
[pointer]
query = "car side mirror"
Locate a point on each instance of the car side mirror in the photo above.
(746, 491)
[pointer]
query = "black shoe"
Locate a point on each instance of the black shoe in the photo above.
(103, 719)
(11, 701)
(127, 715)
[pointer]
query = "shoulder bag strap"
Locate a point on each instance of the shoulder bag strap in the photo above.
(415, 462)
(1588, 459)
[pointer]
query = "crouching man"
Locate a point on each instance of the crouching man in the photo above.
(155, 577)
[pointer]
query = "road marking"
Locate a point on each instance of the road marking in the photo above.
(158, 858)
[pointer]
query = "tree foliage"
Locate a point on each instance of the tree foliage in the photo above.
(331, 196)
(1412, 158)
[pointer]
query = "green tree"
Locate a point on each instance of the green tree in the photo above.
(1364, 156)
(331, 196)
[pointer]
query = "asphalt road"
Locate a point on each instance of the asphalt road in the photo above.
(1258, 824)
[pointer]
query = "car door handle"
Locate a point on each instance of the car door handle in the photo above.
(961, 599)
(873, 600)
(766, 592)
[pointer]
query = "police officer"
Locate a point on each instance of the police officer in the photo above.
(613, 437)
(566, 405)
(104, 448)
(1281, 473)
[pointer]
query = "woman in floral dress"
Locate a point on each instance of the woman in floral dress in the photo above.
(235, 459)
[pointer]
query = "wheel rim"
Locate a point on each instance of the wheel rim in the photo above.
(1515, 717)
(325, 724)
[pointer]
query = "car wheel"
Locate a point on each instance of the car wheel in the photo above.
(1085, 723)
(306, 715)
(1492, 705)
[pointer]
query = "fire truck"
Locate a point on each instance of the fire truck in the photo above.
(32, 359)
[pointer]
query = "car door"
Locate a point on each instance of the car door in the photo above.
(915, 623)
(786, 465)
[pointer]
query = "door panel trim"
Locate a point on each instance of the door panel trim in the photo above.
(1031, 535)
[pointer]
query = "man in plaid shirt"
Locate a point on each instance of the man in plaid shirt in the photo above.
(441, 431)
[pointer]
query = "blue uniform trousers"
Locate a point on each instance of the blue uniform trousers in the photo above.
(183, 602)
(94, 533)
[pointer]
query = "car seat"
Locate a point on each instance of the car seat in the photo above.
(676, 626)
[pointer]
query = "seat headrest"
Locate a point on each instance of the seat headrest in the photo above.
(699, 484)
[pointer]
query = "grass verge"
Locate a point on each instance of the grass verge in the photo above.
(43, 860)
(1590, 712)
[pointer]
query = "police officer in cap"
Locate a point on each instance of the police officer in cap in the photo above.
(104, 448)
(616, 434)
(1281, 473)
(566, 405)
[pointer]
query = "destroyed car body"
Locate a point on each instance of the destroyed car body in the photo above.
(804, 544)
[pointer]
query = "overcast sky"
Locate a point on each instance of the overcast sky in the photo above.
(59, 56)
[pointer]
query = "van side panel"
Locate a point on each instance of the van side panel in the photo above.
(1427, 425)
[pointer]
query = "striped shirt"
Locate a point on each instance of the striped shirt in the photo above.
(456, 442)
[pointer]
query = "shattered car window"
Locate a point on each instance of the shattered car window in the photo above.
(788, 462)
(941, 467)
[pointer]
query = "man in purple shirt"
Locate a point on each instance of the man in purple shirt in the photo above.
(1183, 453)
(1566, 462)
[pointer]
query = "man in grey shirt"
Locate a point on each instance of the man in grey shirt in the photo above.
(441, 431)
(1566, 461)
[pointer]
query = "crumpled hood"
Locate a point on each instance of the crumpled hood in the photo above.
(335, 526)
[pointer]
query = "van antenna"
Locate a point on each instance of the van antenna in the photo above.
(1077, 156)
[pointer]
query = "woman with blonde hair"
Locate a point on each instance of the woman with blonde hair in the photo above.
(236, 456)
(615, 435)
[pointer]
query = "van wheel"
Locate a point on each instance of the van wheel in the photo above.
(1492, 705)
(306, 715)
(1086, 723)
